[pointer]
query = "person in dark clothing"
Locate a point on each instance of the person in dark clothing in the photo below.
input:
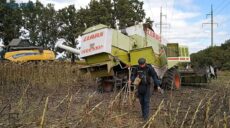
(145, 72)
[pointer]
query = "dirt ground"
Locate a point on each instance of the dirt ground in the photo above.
(48, 96)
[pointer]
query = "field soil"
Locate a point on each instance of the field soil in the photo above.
(56, 95)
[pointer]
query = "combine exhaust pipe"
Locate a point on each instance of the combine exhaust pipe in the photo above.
(67, 48)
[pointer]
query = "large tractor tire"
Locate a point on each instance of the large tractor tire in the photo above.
(171, 79)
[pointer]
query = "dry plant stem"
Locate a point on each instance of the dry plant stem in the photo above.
(217, 122)
(129, 88)
(77, 92)
(219, 108)
(86, 108)
(175, 117)
(156, 113)
(88, 101)
(94, 108)
(65, 99)
(119, 115)
(90, 112)
(115, 99)
(171, 100)
(207, 114)
(134, 95)
(61, 101)
(170, 111)
(229, 104)
(206, 120)
(195, 114)
(225, 120)
(68, 109)
(185, 117)
(125, 94)
(87, 104)
(151, 119)
(44, 112)
(20, 103)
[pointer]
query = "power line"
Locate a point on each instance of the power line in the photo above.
(219, 5)
(172, 15)
(223, 7)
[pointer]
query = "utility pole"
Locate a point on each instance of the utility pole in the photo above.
(211, 23)
(211, 26)
(161, 22)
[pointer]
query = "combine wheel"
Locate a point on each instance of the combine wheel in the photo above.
(171, 79)
(105, 86)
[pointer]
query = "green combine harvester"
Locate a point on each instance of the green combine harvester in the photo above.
(110, 54)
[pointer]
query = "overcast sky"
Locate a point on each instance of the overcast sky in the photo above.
(184, 16)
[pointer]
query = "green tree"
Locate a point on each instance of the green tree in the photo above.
(48, 27)
(128, 12)
(98, 12)
(124, 12)
(11, 20)
(101, 12)
(41, 23)
(70, 26)
(31, 20)
(2, 8)
(216, 56)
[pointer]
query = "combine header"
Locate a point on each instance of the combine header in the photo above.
(20, 50)
(109, 53)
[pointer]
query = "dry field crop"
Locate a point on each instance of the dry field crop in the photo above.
(54, 95)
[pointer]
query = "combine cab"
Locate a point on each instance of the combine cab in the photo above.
(109, 53)
(20, 50)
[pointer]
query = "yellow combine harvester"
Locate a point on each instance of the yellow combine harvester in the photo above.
(20, 50)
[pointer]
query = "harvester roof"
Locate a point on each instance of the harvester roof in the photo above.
(95, 28)
(19, 42)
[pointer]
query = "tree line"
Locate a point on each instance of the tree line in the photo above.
(45, 24)
(217, 56)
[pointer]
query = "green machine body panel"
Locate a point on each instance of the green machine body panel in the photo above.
(177, 54)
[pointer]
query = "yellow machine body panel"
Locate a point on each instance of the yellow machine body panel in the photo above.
(121, 54)
(29, 55)
(146, 53)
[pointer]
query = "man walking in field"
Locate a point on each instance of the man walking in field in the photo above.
(143, 74)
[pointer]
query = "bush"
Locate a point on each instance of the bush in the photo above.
(226, 66)
(217, 56)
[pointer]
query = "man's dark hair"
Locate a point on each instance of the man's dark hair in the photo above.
(141, 61)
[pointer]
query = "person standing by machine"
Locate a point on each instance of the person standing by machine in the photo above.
(143, 74)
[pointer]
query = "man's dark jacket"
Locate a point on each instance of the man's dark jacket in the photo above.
(145, 74)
